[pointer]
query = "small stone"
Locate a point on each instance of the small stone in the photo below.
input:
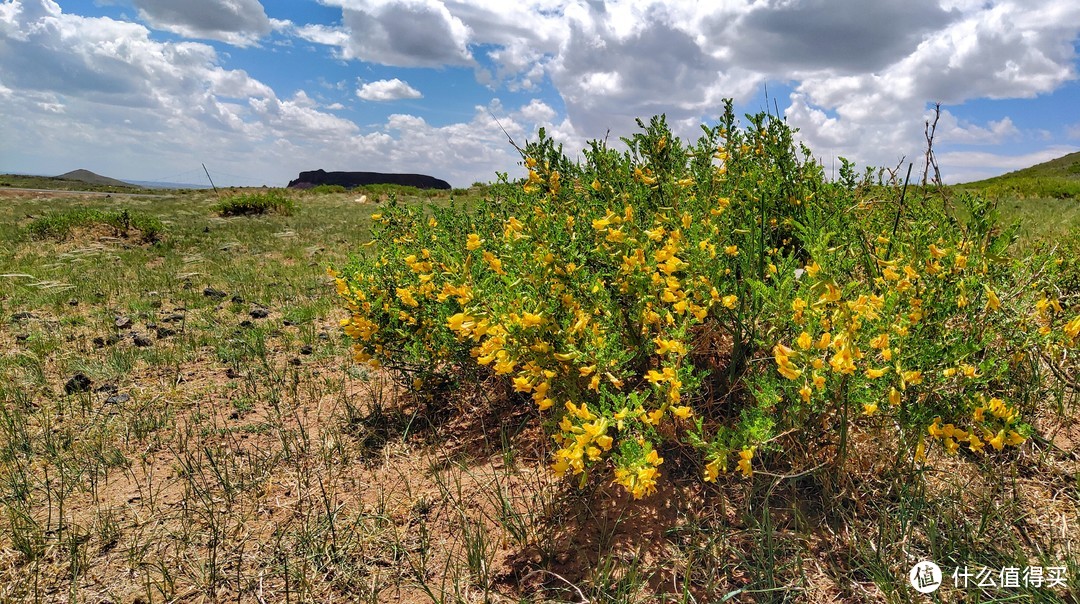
(109, 388)
(73, 302)
(259, 313)
(214, 293)
(246, 323)
(231, 373)
(164, 332)
(295, 361)
(237, 299)
(118, 399)
(23, 316)
(306, 349)
(287, 323)
(173, 318)
(142, 341)
(78, 383)
(323, 335)
(122, 322)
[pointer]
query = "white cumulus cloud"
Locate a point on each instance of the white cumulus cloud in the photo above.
(387, 90)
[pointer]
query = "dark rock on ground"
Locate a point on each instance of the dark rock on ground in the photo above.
(295, 361)
(23, 316)
(173, 318)
(100, 342)
(78, 383)
(259, 313)
(109, 388)
(118, 398)
(142, 341)
(214, 293)
(22, 337)
(73, 302)
(246, 323)
(164, 332)
(237, 300)
(123, 322)
(314, 178)
(306, 349)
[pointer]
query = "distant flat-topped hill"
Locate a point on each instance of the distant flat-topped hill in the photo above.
(95, 179)
(349, 180)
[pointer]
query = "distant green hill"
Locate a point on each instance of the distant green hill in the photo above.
(76, 180)
(95, 179)
(1058, 178)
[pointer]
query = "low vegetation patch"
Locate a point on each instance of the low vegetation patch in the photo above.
(273, 201)
(325, 189)
(124, 223)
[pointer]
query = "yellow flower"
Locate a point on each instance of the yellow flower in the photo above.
(730, 301)
(842, 362)
(870, 408)
(894, 397)
(805, 393)
(951, 446)
(522, 384)
(998, 441)
(530, 320)
(473, 242)
(545, 404)
(824, 341)
(804, 341)
(672, 346)
(1072, 328)
(912, 377)
(732, 250)
(812, 269)
(744, 461)
(874, 374)
(975, 443)
(992, 300)
(712, 470)
(682, 412)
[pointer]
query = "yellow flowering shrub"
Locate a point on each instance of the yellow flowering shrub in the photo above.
(631, 298)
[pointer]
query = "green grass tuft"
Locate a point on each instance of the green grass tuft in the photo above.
(246, 204)
(59, 225)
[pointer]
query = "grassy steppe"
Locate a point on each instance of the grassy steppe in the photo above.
(181, 421)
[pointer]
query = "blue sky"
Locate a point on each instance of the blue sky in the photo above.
(150, 89)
